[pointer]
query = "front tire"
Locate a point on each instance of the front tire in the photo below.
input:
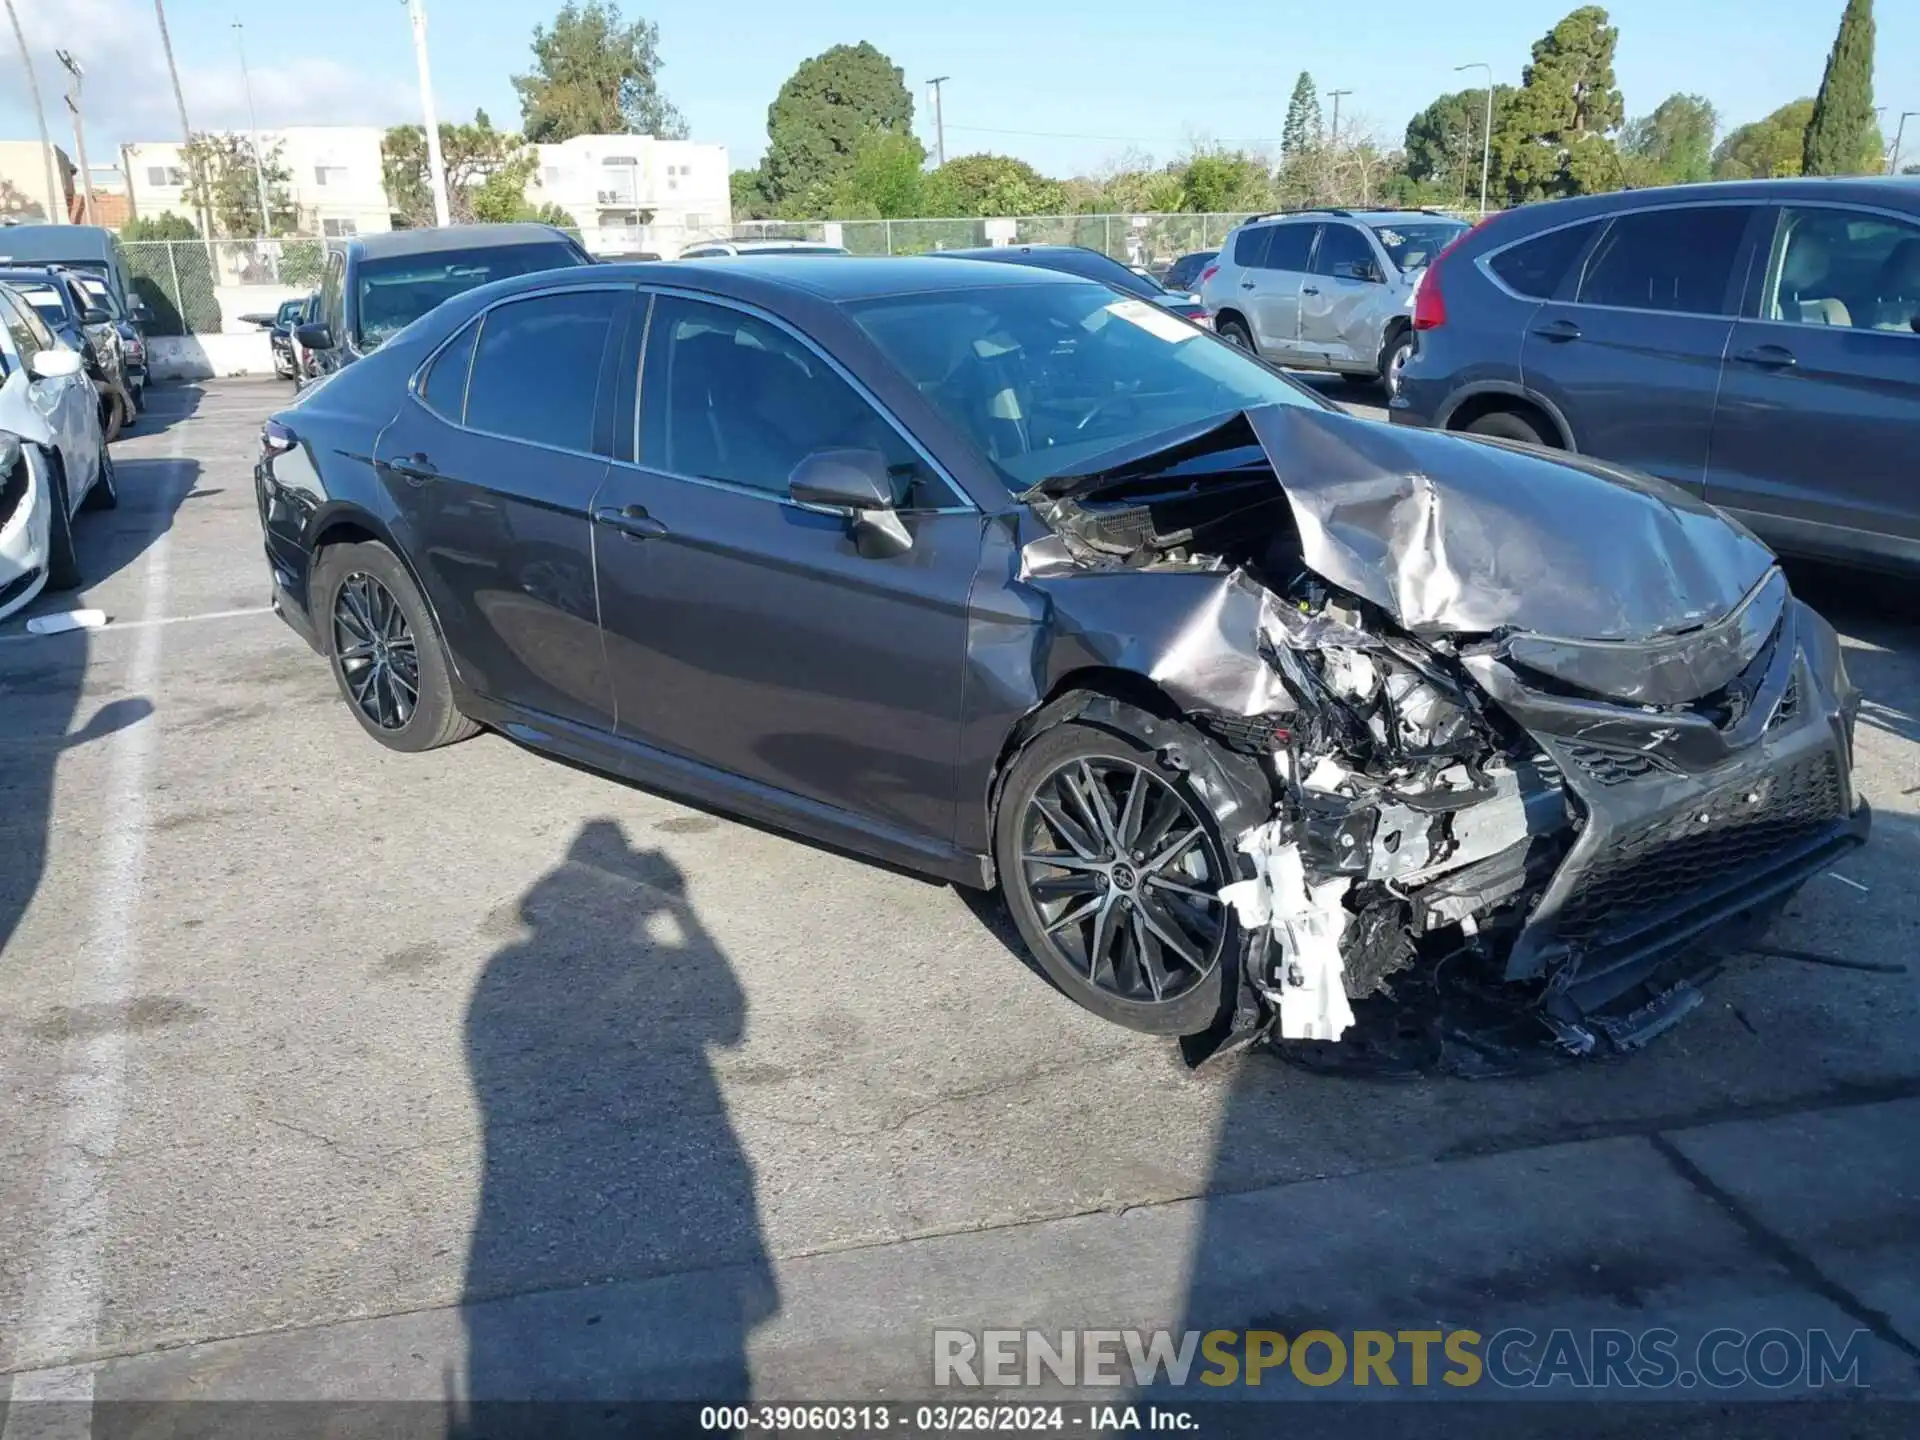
(1505, 425)
(105, 494)
(63, 561)
(386, 655)
(1109, 862)
(1393, 360)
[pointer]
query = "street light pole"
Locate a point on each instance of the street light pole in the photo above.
(1486, 138)
(939, 121)
(57, 212)
(436, 167)
(253, 132)
(72, 67)
(1899, 134)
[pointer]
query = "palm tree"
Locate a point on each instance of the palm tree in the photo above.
(186, 130)
(56, 192)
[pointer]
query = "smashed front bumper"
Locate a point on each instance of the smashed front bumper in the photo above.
(1690, 825)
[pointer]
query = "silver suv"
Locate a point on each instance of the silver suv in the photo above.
(1326, 289)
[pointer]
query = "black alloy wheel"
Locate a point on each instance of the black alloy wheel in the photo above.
(374, 644)
(1121, 873)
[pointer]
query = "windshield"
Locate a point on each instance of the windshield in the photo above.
(1412, 246)
(394, 293)
(289, 311)
(1044, 376)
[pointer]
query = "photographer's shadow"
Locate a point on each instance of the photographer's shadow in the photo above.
(617, 1253)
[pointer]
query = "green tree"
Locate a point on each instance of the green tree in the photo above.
(502, 196)
(1552, 139)
(159, 227)
(473, 154)
(594, 73)
(1675, 142)
(816, 122)
(1301, 132)
(980, 185)
(1445, 141)
(1843, 110)
(749, 200)
(884, 182)
(226, 182)
(1225, 181)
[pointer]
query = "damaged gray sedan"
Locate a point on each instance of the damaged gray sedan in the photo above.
(1266, 720)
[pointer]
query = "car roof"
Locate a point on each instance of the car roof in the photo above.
(451, 237)
(1903, 190)
(55, 242)
(36, 274)
(771, 243)
(857, 277)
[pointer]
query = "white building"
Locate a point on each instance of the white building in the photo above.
(633, 192)
(334, 177)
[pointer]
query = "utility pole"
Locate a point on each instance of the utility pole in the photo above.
(190, 153)
(1332, 171)
(436, 167)
(253, 132)
(1486, 138)
(56, 192)
(1899, 134)
(72, 67)
(939, 122)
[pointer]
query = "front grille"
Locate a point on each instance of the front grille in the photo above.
(1610, 767)
(1788, 710)
(1643, 871)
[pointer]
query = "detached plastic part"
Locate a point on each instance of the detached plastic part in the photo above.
(66, 620)
(1308, 921)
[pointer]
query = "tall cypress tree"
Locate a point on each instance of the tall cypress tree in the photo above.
(1302, 130)
(1843, 111)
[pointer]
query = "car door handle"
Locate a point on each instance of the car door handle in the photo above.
(416, 468)
(633, 521)
(1309, 289)
(1558, 330)
(1767, 357)
(1246, 284)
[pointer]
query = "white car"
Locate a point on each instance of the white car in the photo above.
(710, 249)
(53, 459)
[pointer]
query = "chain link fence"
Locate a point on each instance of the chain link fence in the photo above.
(201, 287)
(1134, 239)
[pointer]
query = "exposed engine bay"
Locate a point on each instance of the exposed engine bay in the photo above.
(1571, 754)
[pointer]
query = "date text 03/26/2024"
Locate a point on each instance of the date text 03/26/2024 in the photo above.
(930, 1419)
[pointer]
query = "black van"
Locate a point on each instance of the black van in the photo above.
(1756, 343)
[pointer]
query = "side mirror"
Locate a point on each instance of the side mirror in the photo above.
(54, 364)
(314, 335)
(857, 482)
(94, 315)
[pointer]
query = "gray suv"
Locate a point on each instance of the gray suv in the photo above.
(1326, 289)
(1754, 343)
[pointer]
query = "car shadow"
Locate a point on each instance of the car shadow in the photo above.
(616, 1254)
(1875, 615)
(168, 403)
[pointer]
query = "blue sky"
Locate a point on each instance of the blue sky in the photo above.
(1035, 78)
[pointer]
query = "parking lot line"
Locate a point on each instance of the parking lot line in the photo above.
(62, 1311)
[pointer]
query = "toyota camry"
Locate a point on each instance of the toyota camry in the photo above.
(1253, 710)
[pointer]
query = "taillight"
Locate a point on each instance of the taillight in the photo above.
(1206, 275)
(277, 439)
(1429, 304)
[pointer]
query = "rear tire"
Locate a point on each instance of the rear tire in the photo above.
(1235, 332)
(63, 562)
(1506, 425)
(1393, 359)
(371, 574)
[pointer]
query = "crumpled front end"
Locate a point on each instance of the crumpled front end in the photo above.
(1564, 746)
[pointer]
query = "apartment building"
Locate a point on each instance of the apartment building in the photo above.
(334, 178)
(24, 199)
(635, 192)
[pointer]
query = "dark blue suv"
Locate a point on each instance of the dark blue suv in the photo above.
(1755, 343)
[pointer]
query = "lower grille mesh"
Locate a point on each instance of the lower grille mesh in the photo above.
(1643, 871)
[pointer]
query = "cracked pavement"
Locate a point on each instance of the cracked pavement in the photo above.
(474, 1070)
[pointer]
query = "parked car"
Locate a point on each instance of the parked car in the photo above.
(375, 286)
(1326, 289)
(308, 314)
(53, 458)
(1247, 705)
(65, 308)
(713, 249)
(280, 336)
(1184, 274)
(1752, 343)
(1090, 265)
(133, 340)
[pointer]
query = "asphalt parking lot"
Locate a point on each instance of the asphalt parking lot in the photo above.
(330, 1072)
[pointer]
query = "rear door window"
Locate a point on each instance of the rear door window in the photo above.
(1850, 268)
(1675, 260)
(1343, 254)
(1292, 244)
(25, 338)
(444, 390)
(536, 368)
(1250, 246)
(1534, 268)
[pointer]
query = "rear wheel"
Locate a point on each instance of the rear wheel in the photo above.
(1393, 360)
(1110, 864)
(386, 654)
(1506, 425)
(1234, 331)
(63, 562)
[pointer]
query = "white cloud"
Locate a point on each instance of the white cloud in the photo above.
(128, 96)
